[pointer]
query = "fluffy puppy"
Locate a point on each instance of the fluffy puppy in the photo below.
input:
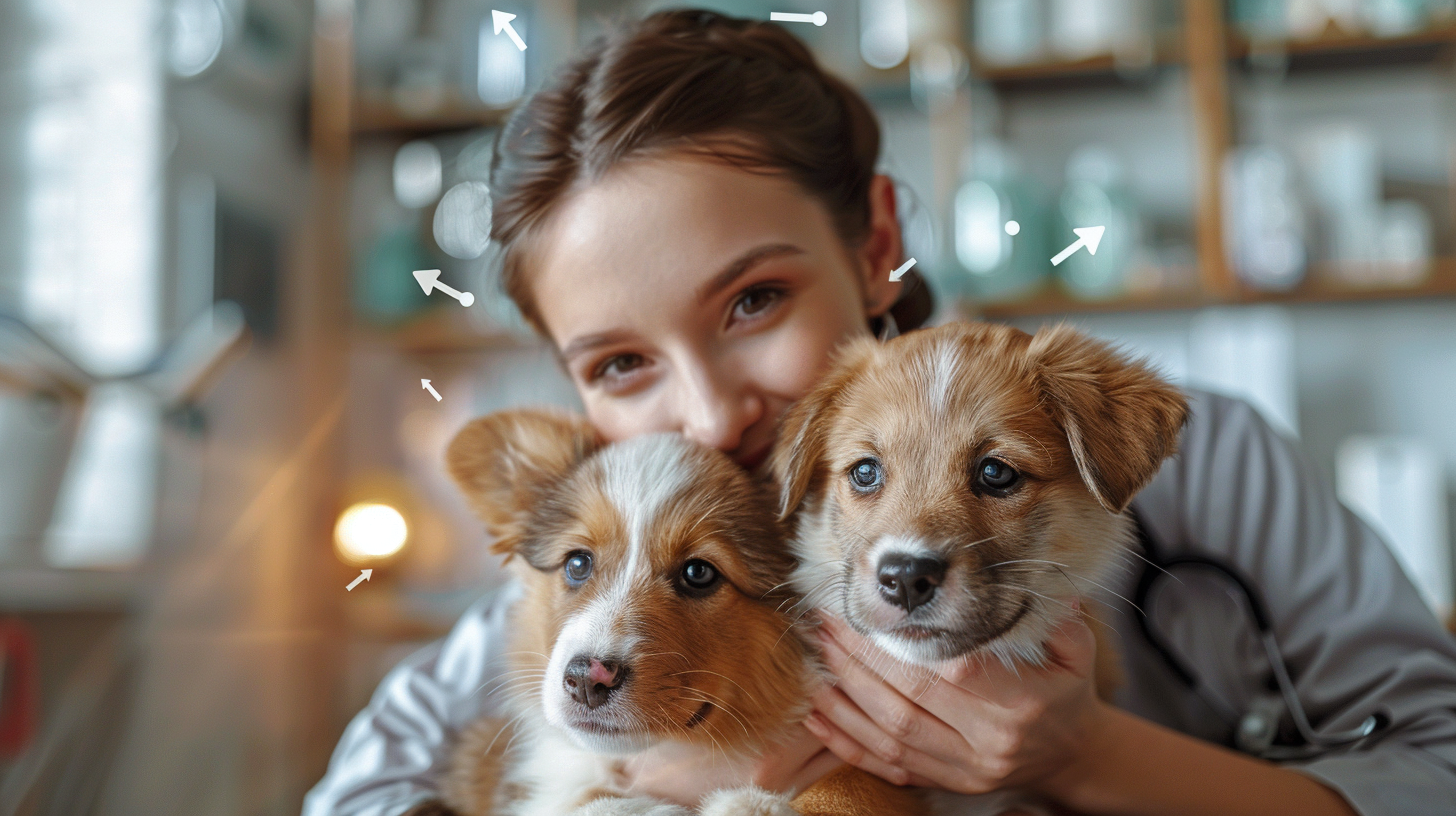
(956, 487)
(656, 609)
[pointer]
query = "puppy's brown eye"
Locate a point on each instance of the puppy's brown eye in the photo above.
(698, 576)
(866, 475)
(578, 568)
(995, 474)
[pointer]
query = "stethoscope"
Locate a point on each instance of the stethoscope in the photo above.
(1257, 728)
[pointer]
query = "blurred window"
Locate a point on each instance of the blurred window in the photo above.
(92, 159)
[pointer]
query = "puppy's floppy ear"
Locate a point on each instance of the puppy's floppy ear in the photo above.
(505, 462)
(803, 431)
(1121, 419)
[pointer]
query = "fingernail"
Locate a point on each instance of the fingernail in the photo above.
(812, 723)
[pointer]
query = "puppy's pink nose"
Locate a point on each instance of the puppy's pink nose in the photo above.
(590, 681)
(604, 672)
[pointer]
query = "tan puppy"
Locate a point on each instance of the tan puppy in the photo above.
(956, 487)
(656, 609)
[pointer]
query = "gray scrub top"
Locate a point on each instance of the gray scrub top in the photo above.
(1355, 634)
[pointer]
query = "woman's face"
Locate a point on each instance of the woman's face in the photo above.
(687, 295)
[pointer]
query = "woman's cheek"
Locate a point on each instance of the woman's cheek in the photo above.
(796, 356)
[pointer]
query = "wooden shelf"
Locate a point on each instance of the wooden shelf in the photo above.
(445, 331)
(378, 117)
(1339, 49)
(1101, 67)
(1318, 287)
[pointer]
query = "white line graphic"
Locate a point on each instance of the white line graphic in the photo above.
(818, 18)
(1088, 237)
(895, 275)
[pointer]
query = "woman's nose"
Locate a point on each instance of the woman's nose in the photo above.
(717, 410)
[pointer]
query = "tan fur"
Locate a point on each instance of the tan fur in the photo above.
(1084, 426)
(729, 669)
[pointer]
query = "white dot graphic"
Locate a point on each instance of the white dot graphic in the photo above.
(819, 18)
(1012, 228)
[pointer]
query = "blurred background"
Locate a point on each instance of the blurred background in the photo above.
(212, 414)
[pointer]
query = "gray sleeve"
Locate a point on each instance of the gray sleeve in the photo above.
(1356, 636)
(395, 748)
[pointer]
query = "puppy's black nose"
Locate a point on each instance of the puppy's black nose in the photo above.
(908, 582)
(590, 681)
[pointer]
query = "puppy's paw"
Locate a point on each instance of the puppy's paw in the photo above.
(746, 802)
(636, 806)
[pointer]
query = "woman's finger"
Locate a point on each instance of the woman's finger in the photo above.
(901, 719)
(833, 705)
(793, 762)
(847, 750)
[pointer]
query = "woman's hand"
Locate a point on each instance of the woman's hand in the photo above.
(685, 773)
(973, 727)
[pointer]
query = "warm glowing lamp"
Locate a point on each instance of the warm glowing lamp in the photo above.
(370, 531)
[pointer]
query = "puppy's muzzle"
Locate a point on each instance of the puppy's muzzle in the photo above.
(909, 581)
(590, 681)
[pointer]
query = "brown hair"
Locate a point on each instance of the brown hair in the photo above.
(741, 91)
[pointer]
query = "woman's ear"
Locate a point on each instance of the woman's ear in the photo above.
(1121, 419)
(505, 462)
(883, 248)
(803, 432)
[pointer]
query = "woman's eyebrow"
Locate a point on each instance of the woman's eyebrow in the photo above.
(736, 267)
(588, 342)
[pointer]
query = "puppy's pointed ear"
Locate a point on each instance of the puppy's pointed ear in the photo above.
(505, 462)
(1121, 419)
(799, 450)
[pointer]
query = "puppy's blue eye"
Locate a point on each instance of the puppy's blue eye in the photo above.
(996, 474)
(578, 568)
(699, 574)
(866, 475)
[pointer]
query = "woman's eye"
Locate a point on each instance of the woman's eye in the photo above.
(996, 474)
(755, 300)
(699, 575)
(617, 365)
(578, 568)
(866, 475)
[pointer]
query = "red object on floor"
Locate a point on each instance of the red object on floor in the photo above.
(19, 687)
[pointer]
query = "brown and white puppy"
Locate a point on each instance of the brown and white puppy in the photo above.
(956, 487)
(656, 609)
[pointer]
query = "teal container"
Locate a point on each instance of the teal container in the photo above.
(999, 228)
(1095, 195)
(385, 289)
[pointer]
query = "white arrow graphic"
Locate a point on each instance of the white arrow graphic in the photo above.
(363, 576)
(818, 18)
(425, 384)
(896, 274)
(503, 21)
(430, 280)
(1088, 237)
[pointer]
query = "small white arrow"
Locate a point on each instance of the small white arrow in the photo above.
(426, 385)
(895, 275)
(1088, 237)
(503, 21)
(818, 18)
(430, 280)
(363, 576)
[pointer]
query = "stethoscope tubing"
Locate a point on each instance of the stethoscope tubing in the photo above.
(1158, 567)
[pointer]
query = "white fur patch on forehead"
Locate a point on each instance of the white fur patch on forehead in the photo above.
(936, 369)
(640, 476)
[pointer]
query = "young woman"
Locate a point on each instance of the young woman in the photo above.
(691, 214)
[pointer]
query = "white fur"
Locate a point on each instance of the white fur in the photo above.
(746, 802)
(944, 366)
(639, 477)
